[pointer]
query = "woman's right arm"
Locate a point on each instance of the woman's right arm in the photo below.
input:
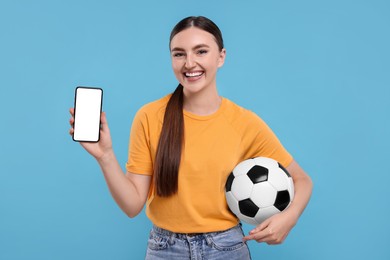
(130, 191)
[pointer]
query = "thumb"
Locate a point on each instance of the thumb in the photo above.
(103, 122)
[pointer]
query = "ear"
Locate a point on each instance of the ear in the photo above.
(221, 59)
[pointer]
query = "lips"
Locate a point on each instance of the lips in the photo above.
(193, 74)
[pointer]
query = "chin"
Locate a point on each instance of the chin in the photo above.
(194, 89)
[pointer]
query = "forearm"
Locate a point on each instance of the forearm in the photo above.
(122, 189)
(302, 190)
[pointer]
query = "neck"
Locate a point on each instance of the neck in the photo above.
(201, 103)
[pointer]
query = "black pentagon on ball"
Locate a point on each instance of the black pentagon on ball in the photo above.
(229, 182)
(284, 169)
(248, 208)
(282, 200)
(258, 174)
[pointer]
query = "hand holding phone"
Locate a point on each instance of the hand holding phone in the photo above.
(87, 112)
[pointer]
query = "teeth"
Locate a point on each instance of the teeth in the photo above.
(193, 74)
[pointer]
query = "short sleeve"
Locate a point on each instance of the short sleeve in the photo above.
(139, 154)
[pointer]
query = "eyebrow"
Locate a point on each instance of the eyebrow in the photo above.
(202, 45)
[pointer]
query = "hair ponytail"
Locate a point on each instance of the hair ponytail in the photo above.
(170, 144)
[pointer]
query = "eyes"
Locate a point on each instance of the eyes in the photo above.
(181, 54)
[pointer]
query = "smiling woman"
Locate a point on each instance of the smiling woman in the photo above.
(182, 149)
(196, 57)
(197, 51)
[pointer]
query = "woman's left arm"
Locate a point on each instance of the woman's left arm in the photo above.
(275, 229)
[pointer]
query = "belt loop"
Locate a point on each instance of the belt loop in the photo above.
(208, 239)
(171, 239)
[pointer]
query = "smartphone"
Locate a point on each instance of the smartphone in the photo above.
(87, 111)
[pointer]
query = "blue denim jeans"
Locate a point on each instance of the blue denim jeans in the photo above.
(223, 245)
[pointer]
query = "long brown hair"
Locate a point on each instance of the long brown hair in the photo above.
(170, 145)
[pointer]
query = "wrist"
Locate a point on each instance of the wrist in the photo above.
(293, 214)
(106, 157)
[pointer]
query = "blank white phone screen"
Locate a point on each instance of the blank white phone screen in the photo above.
(88, 107)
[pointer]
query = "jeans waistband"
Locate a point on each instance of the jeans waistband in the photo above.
(165, 232)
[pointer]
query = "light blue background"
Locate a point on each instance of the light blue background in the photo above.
(318, 72)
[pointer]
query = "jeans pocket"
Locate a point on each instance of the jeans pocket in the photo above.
(226, 241)
(157, 241)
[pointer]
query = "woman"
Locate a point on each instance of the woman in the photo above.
(182, 148)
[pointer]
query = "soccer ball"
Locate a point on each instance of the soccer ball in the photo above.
(257, 189)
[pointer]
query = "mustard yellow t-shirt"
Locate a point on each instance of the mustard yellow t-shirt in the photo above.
(213, 146)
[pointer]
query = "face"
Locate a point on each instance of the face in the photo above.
(196, 59)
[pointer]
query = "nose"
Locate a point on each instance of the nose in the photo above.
(189, 62)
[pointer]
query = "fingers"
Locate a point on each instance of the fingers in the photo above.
(71, 111)
(260, 227)
(267, 235)
(264, 233)
(71, 121)
(259, 236)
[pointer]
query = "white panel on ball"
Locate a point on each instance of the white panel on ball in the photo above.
(232, 202)
(265, 213)
(242, 187)
(277, 178)
(263, 194)
(291, 188)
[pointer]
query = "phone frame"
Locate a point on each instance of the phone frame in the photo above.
(75, 112)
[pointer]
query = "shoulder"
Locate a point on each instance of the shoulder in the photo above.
(155, 106)
(238, 114)
(153, 109)
(244, 121)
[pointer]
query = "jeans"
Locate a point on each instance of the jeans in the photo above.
(223, 245)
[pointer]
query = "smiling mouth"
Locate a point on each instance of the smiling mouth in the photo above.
(193, 74)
